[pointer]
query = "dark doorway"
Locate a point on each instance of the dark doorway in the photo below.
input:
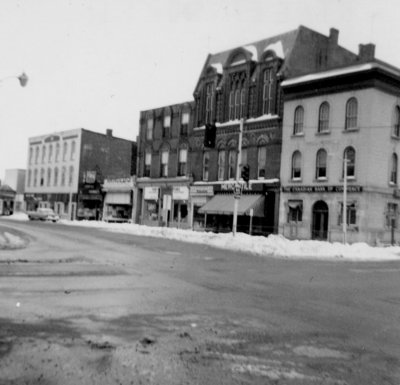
(320, 216)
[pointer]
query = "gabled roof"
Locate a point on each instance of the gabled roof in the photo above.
(6, 188)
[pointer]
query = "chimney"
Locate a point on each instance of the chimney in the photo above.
(333, 36)
(109, 132)
(366, 52)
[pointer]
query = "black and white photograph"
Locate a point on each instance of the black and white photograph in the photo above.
(199, 192)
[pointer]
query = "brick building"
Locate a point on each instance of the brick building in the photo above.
(240, 83)
(66, 170)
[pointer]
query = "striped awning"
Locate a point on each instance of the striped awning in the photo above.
(223, 204)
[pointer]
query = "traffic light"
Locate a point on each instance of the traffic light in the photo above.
(210, 134)
(246, 173)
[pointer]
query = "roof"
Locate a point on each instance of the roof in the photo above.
(224, 204)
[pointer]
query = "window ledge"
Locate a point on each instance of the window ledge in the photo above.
(296, 180)
(301, 135)
(321, 133)
(322, 179)
(355, 129)
(395, 137)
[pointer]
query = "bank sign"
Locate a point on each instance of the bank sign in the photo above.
(321, 189)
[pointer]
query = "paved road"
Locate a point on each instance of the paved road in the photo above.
(85, 306)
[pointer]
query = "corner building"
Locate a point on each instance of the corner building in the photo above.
(342, 122)
(241, 83)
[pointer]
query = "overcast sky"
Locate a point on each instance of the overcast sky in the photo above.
(95, 64)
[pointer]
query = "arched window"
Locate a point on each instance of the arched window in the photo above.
(55, 182)
(321, 163)
(206, 164)
(149, 127)
(29, 178)
(37, 155)
(50, 153)
(147, 163)
(182, 162)
(351, 114)
(35, 177)
(209, 102)
(261, 161)
(43, 154)
(232, 105)
(30, 155)
(323, 117)
(268, 91)
(73, 149)
(70, 175)
(232, 163)
(350, 161)
(393, 171)
(65, 150)
(57, 152)
(396, 125)
(242, 102)
(298, 120)
(48, 176)
(296, 165)
(164, 162)
(237, 104)
(63, 175)
(42, 174)
(221, 164)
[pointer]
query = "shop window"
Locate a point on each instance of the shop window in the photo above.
(351, 114)
(351, 214)
(321, 163)
(323, 118)
(349, 162)
(232, 164)
(393, 171)
(262, 161)
(206, 161)
(298, 120)
(295, 211)
(180, 212)
(182, 162)
(221, 164)
(147, 164)
(391, 215)
(164, 163)
(296, 165)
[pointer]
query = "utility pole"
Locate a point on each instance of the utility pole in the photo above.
(238, 162)
(344, 214)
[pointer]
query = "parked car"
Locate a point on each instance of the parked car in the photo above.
(43, 214)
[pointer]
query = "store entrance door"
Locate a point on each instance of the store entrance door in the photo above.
(320, 216)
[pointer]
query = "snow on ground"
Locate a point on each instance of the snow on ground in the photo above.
(271, 246)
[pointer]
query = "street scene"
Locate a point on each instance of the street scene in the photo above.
(82, 305)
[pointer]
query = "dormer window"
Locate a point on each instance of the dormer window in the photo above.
(238, 59)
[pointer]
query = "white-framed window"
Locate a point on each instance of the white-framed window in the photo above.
(206, 165)
(182, 163)
(221, 164)
(262, 162)
(232, 155)
(48, 177)
(321, 164)
(298, 120)
(57, 152)
(35, 178)
(351, 214)
(42, 175)
(323, 117)
(394, 168)
(65, 151)
(164, 163)
(351, 114)
(350, 162)
(296, 165)
(50, 153)
(37, 155)
(147, 163)
(43, 154)
(55, 179)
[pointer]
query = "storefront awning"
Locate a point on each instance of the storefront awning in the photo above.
(223, 204)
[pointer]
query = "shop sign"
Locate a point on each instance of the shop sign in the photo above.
(232, 186)
(151, 193)
(180, 193)
(118, 182)
(321, 189)
(202, 190)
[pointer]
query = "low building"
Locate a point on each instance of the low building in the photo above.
(15, 178)
(340, 150)
(7, 198)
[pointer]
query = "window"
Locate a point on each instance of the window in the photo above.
(351, 214)
(63, 175)
(209, 102)
(42, 173)
(393, 171)
(296, 165)
(391, 215)
(262, 160)
(65, 150)
(30, 155)
(396, 126)
(350, 162)
(182, 162)
(48, 176)
(57, 152)
(298, 120)
(295, 212)
(323, 117)
(320, 172)
(149, 128)
(29, 178)
(242, 103)
(35, 177)
(50, 153)
(237, 104)
(184, 123)
(221, 164)
(147, 164)
(55, 177)
(37, 155)
(268, 85)
(206, 161)
(243, 160)
(70, 175)
(43, 154)
(73, 149)
(164, 163)
(166, 125)
(232, 164)
(232, 105)
(351, 114)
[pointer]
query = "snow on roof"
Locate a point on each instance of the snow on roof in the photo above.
(339, 72)
(277, 48)
(253, 50)
(218, 67)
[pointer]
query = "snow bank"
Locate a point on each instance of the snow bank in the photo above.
(272, 246)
